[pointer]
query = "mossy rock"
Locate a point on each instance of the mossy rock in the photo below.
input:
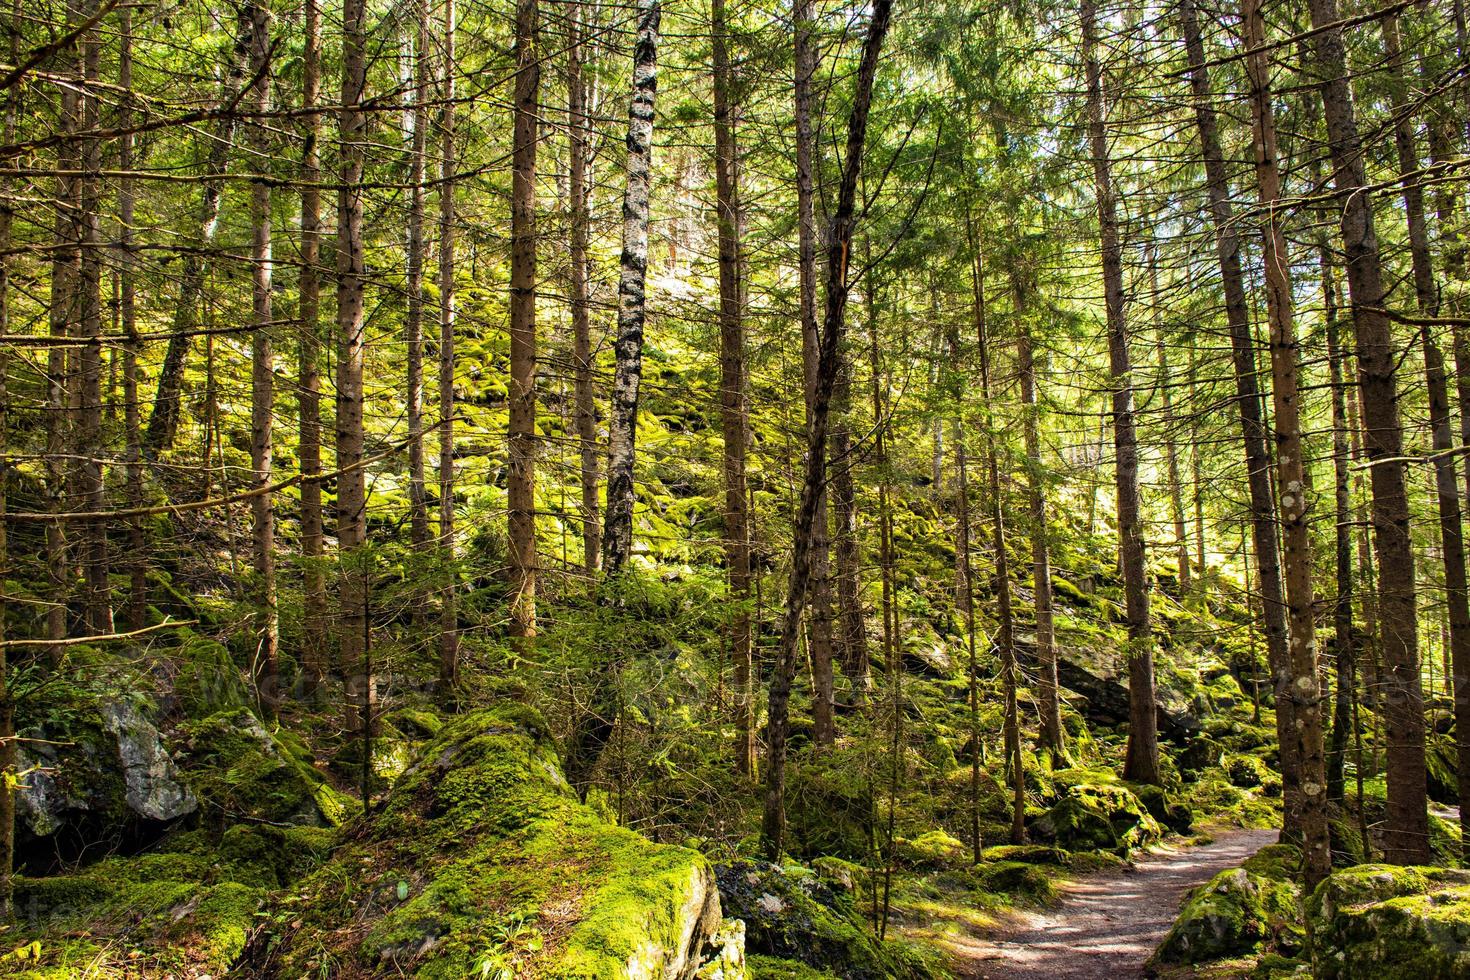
(1022, 882)
(1101, 818)
(1169, 811)
(196, 902)
(790, 916)
(1245, 771)
(206, 679)
(775, 968)
(481, 854)
(1029, 854)
(245, 772)
(1391, 923)
(1235, 914)
(1202, 753)
(935, 849)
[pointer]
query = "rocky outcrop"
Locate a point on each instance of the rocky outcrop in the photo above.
(1239, 911)
(792, 914)
(1097, 818)
(481, 861)
(1104, 700)
(1383, 922)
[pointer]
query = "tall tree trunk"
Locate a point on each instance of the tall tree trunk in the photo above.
(820, 601)
(63, 320)
(851, 645)
(448, 602)
(1141, 763)
(1447, 491)
(839, 242)
(1170, 422)
(965, 587)
(1005, 634)
(137, 561)
(91, 489)
(1305, 691)
(351, 328)
(8, 771)
(617, 542)
(163, 423)
(413, 325)
(308, 381)
(733, 419)
(1406, 833)
(1248, 400)
(521, 431)
(580, 126)
(262, 377)
(1342, 606)
(1053, 736)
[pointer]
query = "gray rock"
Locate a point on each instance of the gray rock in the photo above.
(154, 788)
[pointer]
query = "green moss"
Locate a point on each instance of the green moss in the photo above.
(1237, 912)
(774, 968)
(933, 849)
(1029, 854)
(482, 858)
(1381, 921)
(1103, 818)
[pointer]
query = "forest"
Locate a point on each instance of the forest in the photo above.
(717, 490)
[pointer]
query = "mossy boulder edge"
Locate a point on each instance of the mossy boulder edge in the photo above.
(1387, 922)
(481, 860)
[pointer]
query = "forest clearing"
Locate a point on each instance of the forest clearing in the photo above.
(700, 490)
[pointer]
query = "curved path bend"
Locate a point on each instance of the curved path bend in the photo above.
(1106, 925)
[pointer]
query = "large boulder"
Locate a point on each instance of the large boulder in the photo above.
(1384, 922)
(1097, 818)
(100, 773)
(1238, 911)
(792, 914)
(481, 862)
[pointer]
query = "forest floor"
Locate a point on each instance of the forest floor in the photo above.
(1107, 924)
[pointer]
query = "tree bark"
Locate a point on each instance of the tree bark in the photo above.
(448, 603)
(521, 430)
(262, 378)
(137, 561)
(733, 417)
(1342, 606)
(1248, 400)
(580, 126)
(351, 328)
(819, 640)
(1305, 690)
(1141, 763)
(1053, 736)
(308, 378)
(413, 324)
(617, 542)
(1406, 833)
(839, 242)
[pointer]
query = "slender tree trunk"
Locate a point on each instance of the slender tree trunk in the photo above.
(1446, 483)
(163, 423)
(351, 329)
(521, 431)
(127, 315)
(308, 380)
(1053, 736)
(8, 771)
(63, 320)
(965, 586)
(1005, 634)
(852, 645)
(820, 602)
(1142, 761)
(617, 542)
(448, 603)
(839, 242)
(1342, 607)
(1170, 422)
(1197, 484)
(262, 378)
(1248, 399)
(413, 325)
(733, 418)
(88, 382)
(1305, 691)
(1406, 834)
(581, 160)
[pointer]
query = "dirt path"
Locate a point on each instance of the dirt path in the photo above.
(1107, 925)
